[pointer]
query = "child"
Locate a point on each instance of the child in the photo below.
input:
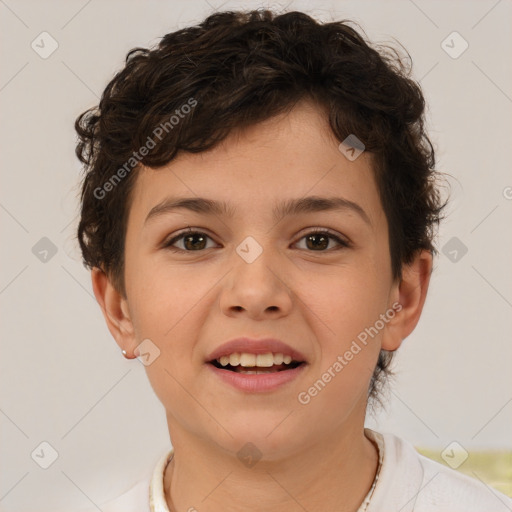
(258, 214)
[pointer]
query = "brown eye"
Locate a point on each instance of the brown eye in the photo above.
(318, 241)
(192, 241)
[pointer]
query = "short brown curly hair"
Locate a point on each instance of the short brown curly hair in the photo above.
(233, 70)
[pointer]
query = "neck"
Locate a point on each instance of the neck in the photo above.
(332, 474)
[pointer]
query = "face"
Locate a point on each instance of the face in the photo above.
(316, 292)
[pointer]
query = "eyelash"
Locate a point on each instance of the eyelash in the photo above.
(315, 231)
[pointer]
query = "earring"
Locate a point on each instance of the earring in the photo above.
(125, 354)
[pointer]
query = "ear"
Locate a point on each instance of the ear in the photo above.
(409, 296)
(115, 310)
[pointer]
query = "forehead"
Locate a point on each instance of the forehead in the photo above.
(260, 170)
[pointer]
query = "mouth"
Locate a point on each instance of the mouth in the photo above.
(253, 370)
(257, 373)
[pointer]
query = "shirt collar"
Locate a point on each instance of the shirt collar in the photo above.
(400, 478)
(157, 502)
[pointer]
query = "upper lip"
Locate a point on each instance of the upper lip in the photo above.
(253, 346)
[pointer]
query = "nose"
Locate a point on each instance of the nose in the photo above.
(257, 287)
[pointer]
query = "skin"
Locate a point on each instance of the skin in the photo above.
(314, 456)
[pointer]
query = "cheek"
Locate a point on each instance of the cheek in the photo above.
(350, 329)
(169, 306)
(339, 389)
(351, 300)
(348, 349)
(166, 305)
(163, 295)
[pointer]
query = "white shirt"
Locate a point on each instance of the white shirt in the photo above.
(406, 482)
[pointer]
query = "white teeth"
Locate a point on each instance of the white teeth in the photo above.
(250, 372)
(234, 359)
(265, 360)
(278, 358)
(247, 360)
(250, 360)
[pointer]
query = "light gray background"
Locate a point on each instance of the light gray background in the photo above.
(63, 378)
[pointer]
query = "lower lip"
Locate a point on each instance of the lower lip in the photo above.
(254, 383)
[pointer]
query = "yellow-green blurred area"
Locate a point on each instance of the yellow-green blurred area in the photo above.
(492, 467)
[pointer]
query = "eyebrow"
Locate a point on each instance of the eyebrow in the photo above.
(287, 208)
